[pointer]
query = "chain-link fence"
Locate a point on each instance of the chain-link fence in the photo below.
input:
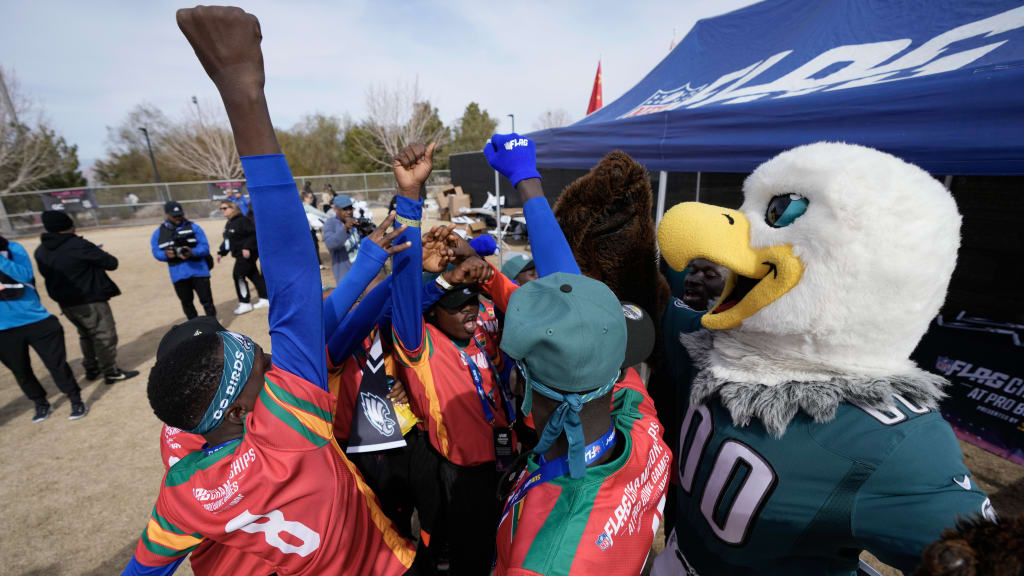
(130, 204)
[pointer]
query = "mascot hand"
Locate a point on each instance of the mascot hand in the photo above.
(512, 155)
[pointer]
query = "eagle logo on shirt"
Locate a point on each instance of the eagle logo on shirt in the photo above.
(377, 413)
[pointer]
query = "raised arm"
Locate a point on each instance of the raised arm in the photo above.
(515, 157)
(412, 167)
(374, 250)
(227, 43)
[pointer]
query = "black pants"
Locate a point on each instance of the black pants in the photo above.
(246, 268)
(316, 244)
(201, 286)
(97, 335)
(46, 337)
(465, 517)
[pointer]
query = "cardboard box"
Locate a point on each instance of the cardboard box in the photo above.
(450, 201)
(476, 228)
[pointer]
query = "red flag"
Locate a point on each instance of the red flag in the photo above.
(595, 94)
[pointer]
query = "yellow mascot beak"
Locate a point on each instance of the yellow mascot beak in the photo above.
(693, 230)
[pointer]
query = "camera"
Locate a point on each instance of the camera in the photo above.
(364, 225)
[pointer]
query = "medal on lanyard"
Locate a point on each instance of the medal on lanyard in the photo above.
(555, 468)
(504, 445)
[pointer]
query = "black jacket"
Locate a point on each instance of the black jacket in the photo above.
(239, 234)
(75, 269)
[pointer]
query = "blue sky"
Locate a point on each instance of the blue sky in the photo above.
(87, 63)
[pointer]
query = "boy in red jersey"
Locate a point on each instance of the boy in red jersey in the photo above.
(589, 501)
(274, 483)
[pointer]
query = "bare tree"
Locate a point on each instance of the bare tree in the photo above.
(396, 117)
(27, 153)
(202, 143)
(553, 119)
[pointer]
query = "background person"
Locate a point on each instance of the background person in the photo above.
(520, 269)
(341, 237)
(183, 245)
(240, 242)
(75, 271)
(235, 194)
(23, 323)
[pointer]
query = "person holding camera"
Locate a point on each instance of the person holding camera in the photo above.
(342, 237)
(183, 245)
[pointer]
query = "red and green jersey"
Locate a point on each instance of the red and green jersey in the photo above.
(175, 444)
(284, 493)
(603, 523)
(209, 558)
(442, 393)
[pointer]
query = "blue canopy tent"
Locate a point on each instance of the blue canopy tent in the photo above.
(939, 83)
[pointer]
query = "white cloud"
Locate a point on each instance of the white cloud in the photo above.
(88, 63)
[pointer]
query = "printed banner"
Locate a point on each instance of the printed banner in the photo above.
(375, 425)
(69, 200)
(984, 360)
(221, 190)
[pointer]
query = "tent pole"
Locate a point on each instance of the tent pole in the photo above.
(497, 214)
(662, 186)
(948, 181)
(698, 187)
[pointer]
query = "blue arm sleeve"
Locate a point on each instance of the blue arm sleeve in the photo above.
(153, 242)
(134, 568)
(290, 269)
(374, 310)
(202, 244)
(368, 263)
(408, 278)
(19, 266)
(551, 251)
(357, 324)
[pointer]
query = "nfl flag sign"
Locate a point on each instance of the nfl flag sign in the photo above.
(374, 422)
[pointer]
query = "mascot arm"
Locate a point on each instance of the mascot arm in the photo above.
(918, 491)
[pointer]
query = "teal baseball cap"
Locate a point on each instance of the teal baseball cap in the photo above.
(569, 330)
(515, 265)
(567, 333)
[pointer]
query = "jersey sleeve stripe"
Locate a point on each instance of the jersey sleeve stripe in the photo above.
(413, 358)
(292, 420)
(289, 399)
(168, 543)
(394, 541)
(426, 377)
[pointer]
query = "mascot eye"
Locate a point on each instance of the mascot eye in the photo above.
(784, 209)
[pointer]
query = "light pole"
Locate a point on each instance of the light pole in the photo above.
(152, 159)
(513, 117)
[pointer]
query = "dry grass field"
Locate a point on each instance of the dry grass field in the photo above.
(76, 495)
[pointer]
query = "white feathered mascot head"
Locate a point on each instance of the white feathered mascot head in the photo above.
(841, 256)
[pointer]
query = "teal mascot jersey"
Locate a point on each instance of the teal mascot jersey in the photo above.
(807, 434)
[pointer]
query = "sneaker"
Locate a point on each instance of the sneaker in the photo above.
(120, 375)
(243, 308)
(42, 412)
(262, 303)
(78, 410)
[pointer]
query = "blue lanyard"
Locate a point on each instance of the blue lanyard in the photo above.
(478, 382)
(211, 449)
(560, 467)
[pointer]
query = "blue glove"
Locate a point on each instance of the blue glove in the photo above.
(484, 245)
(512, 155)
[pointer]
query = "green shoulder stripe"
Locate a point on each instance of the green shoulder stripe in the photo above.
(199, 460)
(166, 525)
(300, 403)
(290, 420)
(427, 347)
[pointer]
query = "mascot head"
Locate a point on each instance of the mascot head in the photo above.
(841, 256)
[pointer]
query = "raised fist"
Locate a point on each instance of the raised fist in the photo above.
(412, 167)
(471, 270)
(512, 155)
(227, 41)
